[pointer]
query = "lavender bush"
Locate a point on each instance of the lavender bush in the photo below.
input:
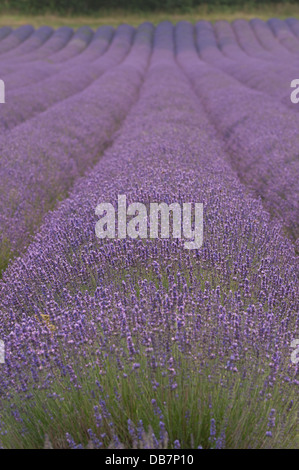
(219, 47)
(34, 71)
(293, 25)
(15, 38)
(140, 343)
(34, 41)
(23, 104)
(259, 135)
(4, 31)
(268, 40)
(68, 138)
(284, 34)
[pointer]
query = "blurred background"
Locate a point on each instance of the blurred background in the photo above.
(75, 13)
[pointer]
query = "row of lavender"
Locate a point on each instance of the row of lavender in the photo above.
(52, 126)
(259, 134)
(276, 36)
(52, 149)
(223, 36)
(54, 56)
(104, 338)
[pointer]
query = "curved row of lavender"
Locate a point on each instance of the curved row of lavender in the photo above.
(251, 44)
(58, 40)
(77, 76)
(281, 74)
(218, 45)
(33, 42)
(64, 48)
(4, 31)
(142, 343)
(35, 69)
(35, 46)
(260, 134)
(267, 34)
(14, 38)
(229, 57)
(284, 34)
(52, 149)
(226, 34)
(293, 25)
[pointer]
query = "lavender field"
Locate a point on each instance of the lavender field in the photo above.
(138, 342)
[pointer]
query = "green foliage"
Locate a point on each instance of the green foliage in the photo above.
(89, 6)
(64, 408)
